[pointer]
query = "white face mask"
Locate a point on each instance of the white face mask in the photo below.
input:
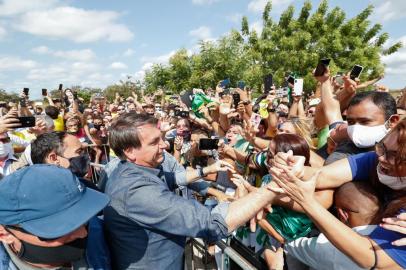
(394, 182)
(365, 136)
(5, 149)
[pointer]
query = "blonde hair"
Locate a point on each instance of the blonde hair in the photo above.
(303, 128)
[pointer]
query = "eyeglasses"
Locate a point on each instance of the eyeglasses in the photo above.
(5, 140)
(381, 150)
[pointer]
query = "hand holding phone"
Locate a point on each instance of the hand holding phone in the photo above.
(268, 82)
(355, 72)
(208, 144)
(26, 121)
(298, 87)
(322, 67)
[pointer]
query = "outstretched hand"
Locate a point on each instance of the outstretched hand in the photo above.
(396, 224)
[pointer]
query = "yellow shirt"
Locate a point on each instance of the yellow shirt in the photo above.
(59, 124)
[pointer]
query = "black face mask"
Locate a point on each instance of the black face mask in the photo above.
(79, 165)
(97, 126)
(67, 253)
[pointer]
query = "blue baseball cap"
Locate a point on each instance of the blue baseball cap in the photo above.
(47, 201)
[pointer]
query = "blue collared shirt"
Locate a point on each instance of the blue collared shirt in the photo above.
(147, 223)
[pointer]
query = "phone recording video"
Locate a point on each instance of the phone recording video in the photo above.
(236, 99)
(183, 114)
(26, 91)
(44, 92)
(291, 80)
(208, 144)
(356, 71)
(225, 83)
(322, 67)
(298, 87)
(268, 82)
(26, 121)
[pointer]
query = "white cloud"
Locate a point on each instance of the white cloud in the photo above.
(74, 24)
(390, 10)
(3, 32)
(257, 26)
(41, 50)
(235, 18)
(259, 5)
(140, 74)
(204, 2)
(118, 65)
(162, 59)
(15, 7)
(396, 62)
(76, 55)
(129, 52)
(201, 33)
(16, 63)
(73, 55)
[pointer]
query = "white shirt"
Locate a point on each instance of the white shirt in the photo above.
(6, 169)
(319, 253)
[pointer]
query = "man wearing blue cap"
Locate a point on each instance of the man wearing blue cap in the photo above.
(46, 218)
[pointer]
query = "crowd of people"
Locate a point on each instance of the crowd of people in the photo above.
(315, 181)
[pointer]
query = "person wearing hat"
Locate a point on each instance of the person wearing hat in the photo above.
(47, 221)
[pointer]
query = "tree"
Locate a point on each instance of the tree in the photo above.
(288, 45)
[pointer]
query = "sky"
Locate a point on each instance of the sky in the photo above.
(95, 43)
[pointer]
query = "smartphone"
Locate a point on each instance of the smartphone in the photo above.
(255, 120)
(339, 78)
(241, 85)
(26, 121)
(3, 105)
(60, 87)
(223, 179)
(356, 71)
(322, 67)
(236, 99)
(291, 79)
(268, 81)
(183, 114)
(208, 144)
(26, 91)
(298, 87)
(225, 83)
(44, 92)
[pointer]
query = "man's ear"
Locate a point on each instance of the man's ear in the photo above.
(6, 237)
(393, 120)
(52, 158)
(131, 154)
(342, 215)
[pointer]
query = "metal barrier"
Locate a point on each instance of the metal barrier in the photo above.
(95, 168)
(226, 250)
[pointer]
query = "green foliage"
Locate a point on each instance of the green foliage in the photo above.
(291, 45)
(4, 96)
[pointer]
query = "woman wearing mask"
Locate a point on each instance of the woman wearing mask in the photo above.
(385, 170)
